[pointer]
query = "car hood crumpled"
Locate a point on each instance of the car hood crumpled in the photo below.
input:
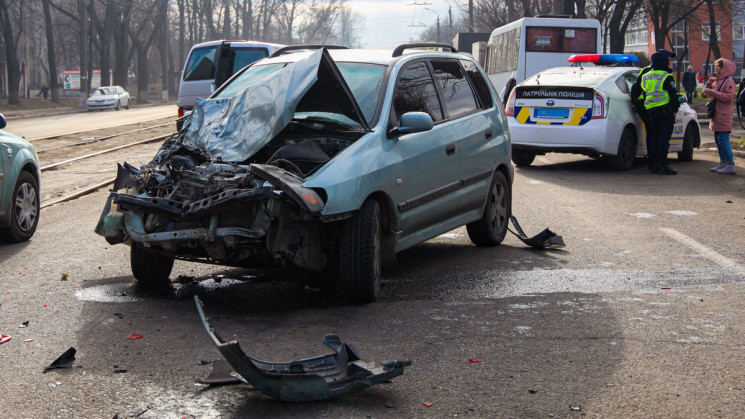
(234, 129)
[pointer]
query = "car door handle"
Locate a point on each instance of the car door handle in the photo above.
(450, 149)
(487, 134)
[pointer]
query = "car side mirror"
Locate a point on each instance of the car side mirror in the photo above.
(682, 98)
(3, 122)
(412, 122)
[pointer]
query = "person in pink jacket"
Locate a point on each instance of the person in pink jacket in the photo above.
(722, 88)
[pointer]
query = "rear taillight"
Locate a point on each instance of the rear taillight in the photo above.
(180, 112)
(599, 106)
(509, 110)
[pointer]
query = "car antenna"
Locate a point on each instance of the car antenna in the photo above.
(330, 27)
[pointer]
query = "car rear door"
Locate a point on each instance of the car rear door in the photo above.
(429, 160)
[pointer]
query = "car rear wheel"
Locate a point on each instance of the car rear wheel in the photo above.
(360, 254)
(522, 158)
(150, 268)
(492, 227)
(624, 160)
(24, 210)
(686, 154)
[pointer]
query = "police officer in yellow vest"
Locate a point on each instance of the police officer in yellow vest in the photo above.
(661, 104)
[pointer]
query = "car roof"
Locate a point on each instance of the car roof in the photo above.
(363, 55)
(585, 76)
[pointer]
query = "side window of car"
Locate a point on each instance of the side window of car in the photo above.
(416, 92)
(479, 84)
(456, 91)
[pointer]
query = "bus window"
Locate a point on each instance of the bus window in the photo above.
(555, 39)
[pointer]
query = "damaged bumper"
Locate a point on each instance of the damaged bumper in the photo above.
(320, 378)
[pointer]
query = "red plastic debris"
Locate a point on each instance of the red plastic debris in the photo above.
(7, 292)
(134, 336)
(266, 344)
(474, 360)
(45, 305)
(427, 404)
(4, 338)
(429, 343)
(666, 288)
(28, 340)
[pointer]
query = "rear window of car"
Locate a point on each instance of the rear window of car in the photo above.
(245, 56)
(457, 94)
(201, 64)
(479, 84)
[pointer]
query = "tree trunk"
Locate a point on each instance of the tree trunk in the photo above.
(53, 82)
(713, 33)
(11, 55)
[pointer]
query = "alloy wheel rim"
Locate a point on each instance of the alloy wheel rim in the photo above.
(498, 207)
(26, 207)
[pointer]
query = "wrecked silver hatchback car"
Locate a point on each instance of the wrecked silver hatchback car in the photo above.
(326, 160)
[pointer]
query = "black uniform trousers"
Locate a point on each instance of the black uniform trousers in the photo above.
(659, 122)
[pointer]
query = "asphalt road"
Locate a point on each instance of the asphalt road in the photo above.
(640, 315)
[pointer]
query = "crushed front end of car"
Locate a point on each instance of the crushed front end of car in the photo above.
(227, 189)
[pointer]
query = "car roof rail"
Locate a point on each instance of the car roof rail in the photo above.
(400, 49)
(293, 48)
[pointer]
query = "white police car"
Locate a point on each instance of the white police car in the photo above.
(587, 110)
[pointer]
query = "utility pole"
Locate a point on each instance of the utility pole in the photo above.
(470, 16)
(82, 9)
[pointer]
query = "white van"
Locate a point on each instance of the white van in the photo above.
(211, 63)
(529, 45)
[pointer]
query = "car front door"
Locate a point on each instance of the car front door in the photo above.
(429, 160)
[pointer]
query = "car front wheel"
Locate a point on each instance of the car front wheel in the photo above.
(118, 105)
(360, 254)
(127, 105)
(150, 268)
(492, 227)
(24, 210)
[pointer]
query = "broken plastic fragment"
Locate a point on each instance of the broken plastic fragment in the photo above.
(28, 340)
(222, 373)
(134, 336)
(474, 360)
(546, 239)
(64, 361)
(427, 404)
(4, 338)
(23, 325)
(320, 378)
(65, 276)
(576, 408)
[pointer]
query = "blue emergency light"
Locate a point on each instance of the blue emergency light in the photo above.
(603, 59)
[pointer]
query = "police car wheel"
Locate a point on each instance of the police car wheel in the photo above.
(624, 160)
(522, 158)
(686, 154)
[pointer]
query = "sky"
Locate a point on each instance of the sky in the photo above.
(389, 23)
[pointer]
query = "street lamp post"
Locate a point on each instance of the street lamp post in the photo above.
(438, 22)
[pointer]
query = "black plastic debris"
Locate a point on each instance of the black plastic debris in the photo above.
(320, 378)
(546, 239)
(24, 325)
(222, 373)
(64, 361)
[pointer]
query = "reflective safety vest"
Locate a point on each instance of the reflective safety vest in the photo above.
(652, 83)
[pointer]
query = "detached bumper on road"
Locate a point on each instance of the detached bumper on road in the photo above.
(320, 378)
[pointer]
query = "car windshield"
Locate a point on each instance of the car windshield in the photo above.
(365, 81)
(103, 92)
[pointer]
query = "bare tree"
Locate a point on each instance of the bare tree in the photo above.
(151, 20)
(53, 82)
(349, 24)
(12, 11)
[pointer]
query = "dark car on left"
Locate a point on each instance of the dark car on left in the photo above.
(19, 187)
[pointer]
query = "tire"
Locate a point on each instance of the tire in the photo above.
(127, 105)
(24, 210)
(148, 267)
(492, 227)
(624, 160)
(522, 158)
(118, 105)
(686, 154)
(360, 254)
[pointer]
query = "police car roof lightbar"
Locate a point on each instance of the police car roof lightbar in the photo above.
(603, 59)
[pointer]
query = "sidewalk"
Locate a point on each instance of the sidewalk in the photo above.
(707, 137)
(66, 106)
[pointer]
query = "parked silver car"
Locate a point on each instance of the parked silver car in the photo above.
(108, 97)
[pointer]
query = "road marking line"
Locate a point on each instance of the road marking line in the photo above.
(704, 250)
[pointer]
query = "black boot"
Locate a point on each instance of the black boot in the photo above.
(666, 170)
